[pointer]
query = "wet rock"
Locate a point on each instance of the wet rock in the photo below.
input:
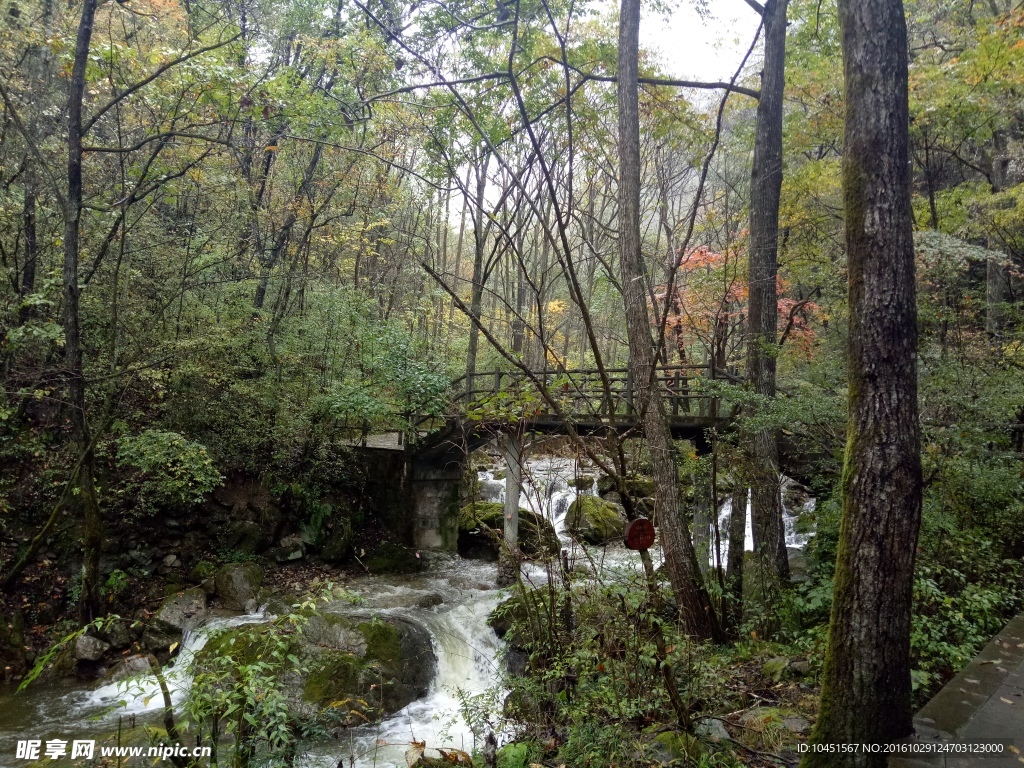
(176, 614)
(430, 600)
(335, 631)
(133, 666)
(237, 584)
(88, 648)
(393, 558)
(711, 729)
(583, 482)
(595, 520)
(337, 546)
(184, 611)
(481, 526)
(245, 536)
(289, 549)
(172, 561)
(118, 634)
(372, 666)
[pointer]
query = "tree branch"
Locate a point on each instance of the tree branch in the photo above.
(147, 80)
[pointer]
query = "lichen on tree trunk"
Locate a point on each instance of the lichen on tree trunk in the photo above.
(866, 679)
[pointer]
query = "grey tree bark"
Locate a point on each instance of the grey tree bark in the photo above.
(89, 602)
(866, 679)
(479, 243)
(696, 611)
(772, 565)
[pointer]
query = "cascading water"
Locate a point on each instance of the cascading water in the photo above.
(452, 601)
(794, 540)
(550, 486)
(467, 665)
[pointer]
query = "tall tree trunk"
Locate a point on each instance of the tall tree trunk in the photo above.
(480, 243)
(695, 607)
(866, 679)
(772, 565)
(733, 603)
(92, 525)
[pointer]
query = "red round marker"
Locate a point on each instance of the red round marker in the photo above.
(640, 534)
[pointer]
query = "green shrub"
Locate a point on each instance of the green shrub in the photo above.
(166, 469)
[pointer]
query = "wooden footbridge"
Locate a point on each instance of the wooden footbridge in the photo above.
(509, 404)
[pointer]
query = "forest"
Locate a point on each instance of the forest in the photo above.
(449, 383)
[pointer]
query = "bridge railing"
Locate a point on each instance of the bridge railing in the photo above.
(585, 392)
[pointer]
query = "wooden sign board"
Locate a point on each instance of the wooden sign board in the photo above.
(640, 534)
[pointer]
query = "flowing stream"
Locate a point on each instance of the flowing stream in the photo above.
(452, 601)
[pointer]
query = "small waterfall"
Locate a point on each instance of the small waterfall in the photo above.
(142, 694)
(794, 540)
(550, 486)
(467, 667)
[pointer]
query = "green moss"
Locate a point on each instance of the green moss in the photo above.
(333, 672)
(595, 520)
(485, 520)
(393, 558)
(674, 747)
(383, 642)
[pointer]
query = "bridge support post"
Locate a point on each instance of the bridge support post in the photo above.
(508, 558)
(435, 498)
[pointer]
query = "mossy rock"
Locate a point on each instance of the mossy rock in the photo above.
(674, 748)
(582, 483)
(373, 666)
(337, 544)
(393, 558)
(237, 584)
(523, 618)
(606, 484)
(638, 486)
(482, 523)
(595, 520)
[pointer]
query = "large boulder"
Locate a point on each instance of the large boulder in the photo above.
(364, 665)
(175, 615)
(595, 520)
(237, 584)
(131, 666)
(337, 543)
(393, 558)
(88, 648)
(289, 549)
(184, 611)
(481, 525)
(245, 536)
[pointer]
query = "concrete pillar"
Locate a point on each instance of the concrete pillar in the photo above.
(508, 561)
(435, 497)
